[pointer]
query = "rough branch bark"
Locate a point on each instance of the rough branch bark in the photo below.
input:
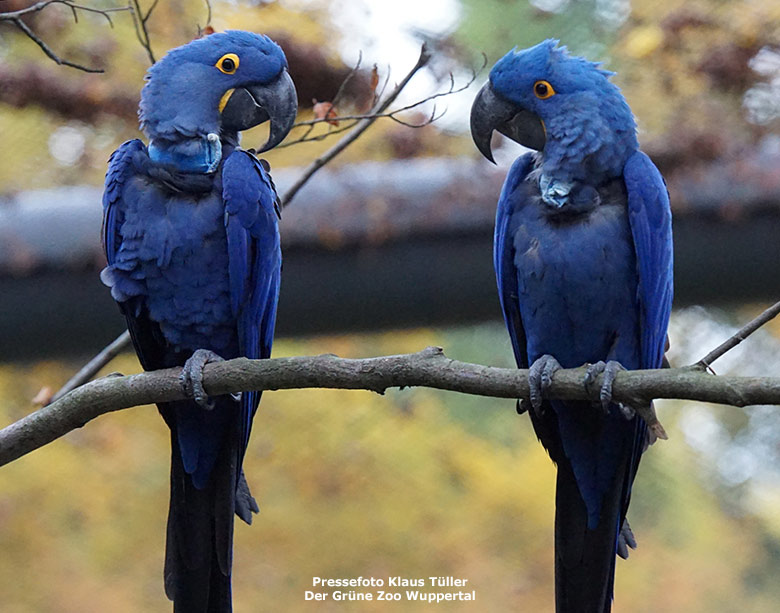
(428, 368)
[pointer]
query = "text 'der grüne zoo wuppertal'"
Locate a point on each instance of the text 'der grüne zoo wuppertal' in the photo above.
(396, 588)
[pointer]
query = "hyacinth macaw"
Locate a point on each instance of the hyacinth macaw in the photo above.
(190, 231)
(583, 259)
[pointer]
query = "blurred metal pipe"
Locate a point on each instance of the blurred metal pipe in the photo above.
(371, 246)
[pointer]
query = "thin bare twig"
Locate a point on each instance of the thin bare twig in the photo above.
(429, 368)
(306, 138)
(74, 6)
(393, 115)
(378, 95)
(91, 368)
(48, 51)
(362, 126)
(139, 21)
(15, 17)
(739, 336)
(149, 11)
(202, 31)
(356, 118)
(452, 89)
(347, 79)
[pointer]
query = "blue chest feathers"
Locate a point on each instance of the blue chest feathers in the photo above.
(173, 262)
(577, 278)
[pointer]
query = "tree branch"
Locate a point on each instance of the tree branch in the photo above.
(39, 6)
(15, 17)
(351, 75)
(427, 368)
(139, 21)
(453, 89)
(739, 336)
(91, 368)
(362, 126)
(208, 13)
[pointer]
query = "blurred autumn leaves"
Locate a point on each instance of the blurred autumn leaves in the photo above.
(702, 77)
(691, 76)
(38, 97)
(699, 75)
(413, 483)
(417, 482)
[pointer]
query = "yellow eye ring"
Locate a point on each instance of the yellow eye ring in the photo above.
(543, 90)
(228, 63)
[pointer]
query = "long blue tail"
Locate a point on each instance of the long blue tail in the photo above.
(199, 545)
(585, 559)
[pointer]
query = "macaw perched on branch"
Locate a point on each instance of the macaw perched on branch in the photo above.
(190, 231)
(583, 259)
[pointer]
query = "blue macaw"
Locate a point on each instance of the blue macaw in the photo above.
(190, 231)
(583, 260)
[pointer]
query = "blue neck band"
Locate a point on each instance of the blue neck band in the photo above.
(201, 155)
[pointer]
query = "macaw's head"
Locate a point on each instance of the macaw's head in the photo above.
(556, 103)
(216, 86)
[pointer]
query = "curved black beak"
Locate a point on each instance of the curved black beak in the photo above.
(492, 112)
(251, 105)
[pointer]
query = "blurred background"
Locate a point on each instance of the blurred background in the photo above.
(388, 250)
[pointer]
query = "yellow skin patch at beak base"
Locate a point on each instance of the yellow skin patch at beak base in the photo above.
(224, 100)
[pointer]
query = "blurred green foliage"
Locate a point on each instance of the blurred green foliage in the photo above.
(496, 26)
(414, 483)
(688, 69)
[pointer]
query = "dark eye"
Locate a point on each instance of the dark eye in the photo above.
(228, 63)
(543, 90)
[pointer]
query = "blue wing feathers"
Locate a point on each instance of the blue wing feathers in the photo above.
(177, 293)
(651, 227)
(120, 168)
(503, 259)
(254, 260)
(254, 253)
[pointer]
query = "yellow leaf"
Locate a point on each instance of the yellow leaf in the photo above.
(643, 41)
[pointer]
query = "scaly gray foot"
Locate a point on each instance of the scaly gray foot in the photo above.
(245, 502)
(191, 377)
(625, 540)
(610, 371)
(540, 379)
